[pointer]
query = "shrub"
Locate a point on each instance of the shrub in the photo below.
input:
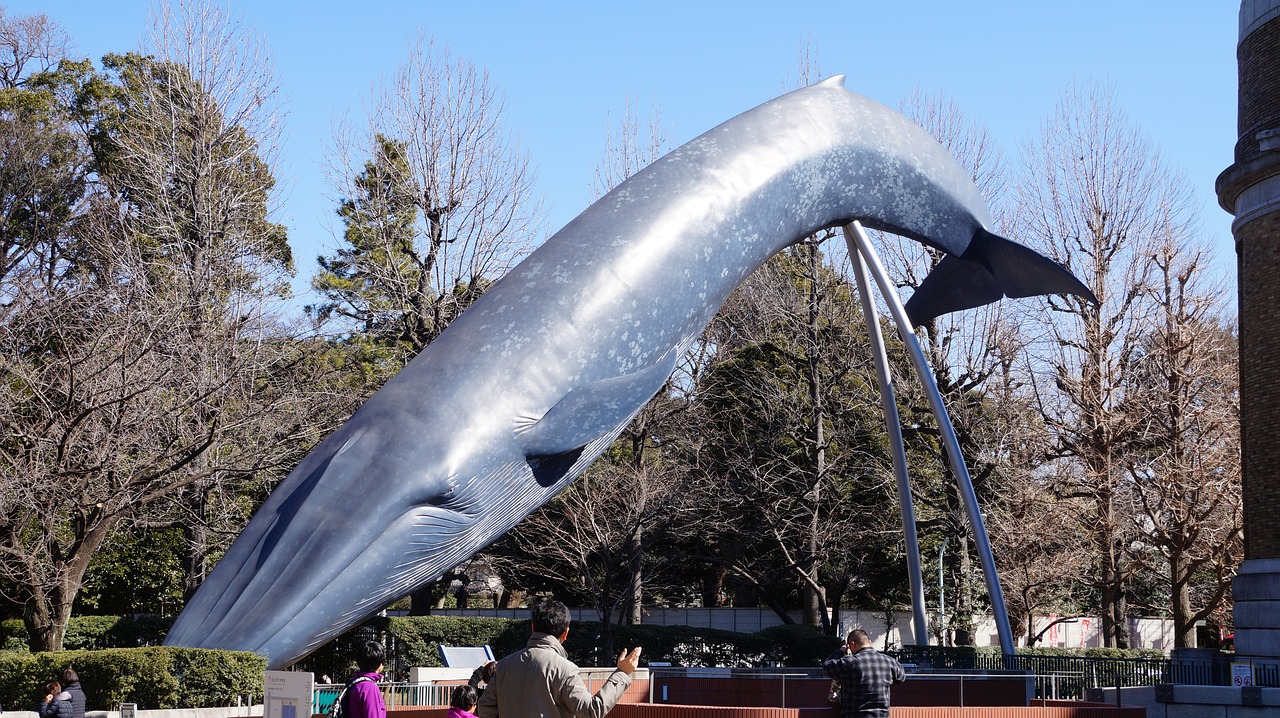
(153, 677)
(13, 635)
(678, 645)
(417, 637)
(798, 645)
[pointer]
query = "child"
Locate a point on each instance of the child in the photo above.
(363, 697)
(57, 702)
(463, 702)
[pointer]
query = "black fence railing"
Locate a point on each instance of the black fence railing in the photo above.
(1070, 677)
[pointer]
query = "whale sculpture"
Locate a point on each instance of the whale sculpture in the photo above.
(537, 378)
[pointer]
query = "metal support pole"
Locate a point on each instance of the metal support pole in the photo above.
(942, 593)
(853, 233)
(890, 405)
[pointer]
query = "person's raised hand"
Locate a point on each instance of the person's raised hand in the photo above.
(628, 661)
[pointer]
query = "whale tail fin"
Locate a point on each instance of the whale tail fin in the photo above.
(991, 268)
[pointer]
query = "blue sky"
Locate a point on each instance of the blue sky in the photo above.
(565, 66)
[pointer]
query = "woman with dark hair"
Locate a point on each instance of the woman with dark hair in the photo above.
(463, 702)
(71, 684)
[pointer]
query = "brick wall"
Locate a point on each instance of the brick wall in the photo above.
(919, 690)
(1258, 258)
(1259, 268)
(649, 710)
(1258, 58)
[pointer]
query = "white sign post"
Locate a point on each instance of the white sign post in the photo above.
(287, 694)
(128, 710)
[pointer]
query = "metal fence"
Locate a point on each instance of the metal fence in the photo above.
(1054, 676)
(396, 695)
(1069, 677)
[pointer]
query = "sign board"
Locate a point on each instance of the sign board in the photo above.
(1241, 674)
(128, 710)
(287, 694)
(465, 656)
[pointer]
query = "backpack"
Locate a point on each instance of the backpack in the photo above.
(339, 707)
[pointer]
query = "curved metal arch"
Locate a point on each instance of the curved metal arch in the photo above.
(862, 255)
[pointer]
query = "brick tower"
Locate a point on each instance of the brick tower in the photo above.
(1250, 190)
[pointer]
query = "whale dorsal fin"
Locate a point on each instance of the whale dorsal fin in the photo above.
(592, 410)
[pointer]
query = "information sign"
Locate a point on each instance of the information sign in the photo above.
(1241, 674)
(287, 694)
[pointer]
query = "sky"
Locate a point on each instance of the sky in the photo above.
(567, 68)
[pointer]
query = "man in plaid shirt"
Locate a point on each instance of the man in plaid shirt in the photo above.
(865, 675)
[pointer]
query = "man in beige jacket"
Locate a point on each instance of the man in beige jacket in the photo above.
(541, 682)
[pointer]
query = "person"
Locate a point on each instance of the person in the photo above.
(363, 697)
(540, 680)
(57, 702)
(71, 684)
(864, 675)
(481, 677)
(463, 702)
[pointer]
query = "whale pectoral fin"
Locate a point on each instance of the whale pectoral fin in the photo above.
(953, 285)
(548, 470)
(594, 409)
(992, 267)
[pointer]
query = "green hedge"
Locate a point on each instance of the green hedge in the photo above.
(153, 677)
(1093, 652)
(418, 637)
(988, 656)
(801, 645)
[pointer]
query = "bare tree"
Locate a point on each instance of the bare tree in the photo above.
(973, 355)
(629, 147)
(1040, 562)
(192, 152)
(152, 382)
(787, 456)
(436, 198)
(585, 538)
(29, 44)
(455, 209)
(1097, 196)
(1186, 465)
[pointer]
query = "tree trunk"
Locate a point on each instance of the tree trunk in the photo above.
(195, 562)
(1184, 626)
(45, 614)
(835, 598)
(964, 596)
(606, 636)
(423, 600)
(46, 623)
(811, 602)
(635, 589)
(712, 583)
(1115, 629)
